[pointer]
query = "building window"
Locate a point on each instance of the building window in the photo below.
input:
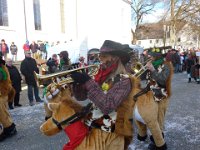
(139, 42)
(150, 41)
(62, 14)
(3, 13)
(37, 15)
(179, 40)
(157, 41)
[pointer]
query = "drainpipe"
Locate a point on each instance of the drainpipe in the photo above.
(25, 19)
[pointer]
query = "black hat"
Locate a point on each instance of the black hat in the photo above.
(114, 48)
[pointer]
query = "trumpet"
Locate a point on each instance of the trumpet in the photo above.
(93, 69)
(140, 68)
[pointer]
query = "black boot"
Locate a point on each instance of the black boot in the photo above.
(2, 135)
(10, 105)
(189, 80)
(10, 131)
(152, 145)
(141, 138)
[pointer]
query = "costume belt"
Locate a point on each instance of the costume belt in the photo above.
(143, 91)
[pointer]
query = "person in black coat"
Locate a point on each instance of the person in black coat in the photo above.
(52, 64)
(16, 82)
(27, 68)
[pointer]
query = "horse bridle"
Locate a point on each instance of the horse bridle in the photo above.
(77, 116)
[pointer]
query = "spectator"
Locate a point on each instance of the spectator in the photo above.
(42, 49)
(13, 49)
(169, 55)
(27, 68)
(82, 63)
(189, 63)
(16, 82)
(182, 63)
(47, 46)
(34, 49)
(52, 64)
(4, 49)
(64, 61)
(26, 46)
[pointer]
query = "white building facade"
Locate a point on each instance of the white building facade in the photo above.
(86, 22)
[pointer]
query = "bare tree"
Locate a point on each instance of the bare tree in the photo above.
(140, 9)
(182, 10)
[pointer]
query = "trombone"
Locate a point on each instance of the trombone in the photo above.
(93, 69)
(140, 68)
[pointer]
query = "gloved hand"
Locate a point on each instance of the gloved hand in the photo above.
(80, 77)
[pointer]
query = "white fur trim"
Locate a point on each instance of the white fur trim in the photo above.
(138, 117)
(48, 105)
(45, 99)
(56, 92)
(49, 97)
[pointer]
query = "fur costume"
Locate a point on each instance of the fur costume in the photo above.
(6, 88)
(106, 140)
(150, 114)
(54, 94)
(95, 138)
(7, 94)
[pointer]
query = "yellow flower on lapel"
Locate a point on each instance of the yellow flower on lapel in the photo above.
(105, 86)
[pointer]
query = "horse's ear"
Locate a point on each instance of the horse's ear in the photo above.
(53, 106)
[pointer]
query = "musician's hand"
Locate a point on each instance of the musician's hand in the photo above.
(80, 77)
(150, 67)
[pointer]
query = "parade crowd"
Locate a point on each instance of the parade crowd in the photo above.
(109, 90)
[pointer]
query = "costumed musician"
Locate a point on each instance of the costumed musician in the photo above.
(108, 92)
(159, 82)
(7, 93)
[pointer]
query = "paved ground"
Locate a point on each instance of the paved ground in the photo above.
(182, 122)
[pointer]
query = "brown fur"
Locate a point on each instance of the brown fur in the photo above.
(168, 84)
(153, 113)
(64, 94)
(123, 124)
(7, 94)
(6, 88)
(95, 140)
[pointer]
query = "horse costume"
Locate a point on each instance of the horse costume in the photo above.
(7, 94)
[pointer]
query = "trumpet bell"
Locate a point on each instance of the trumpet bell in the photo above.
(139, 69)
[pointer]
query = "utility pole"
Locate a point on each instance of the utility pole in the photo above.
(173, 29)
(25, 20)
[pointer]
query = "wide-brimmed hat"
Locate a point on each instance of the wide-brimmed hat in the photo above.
(115, 48)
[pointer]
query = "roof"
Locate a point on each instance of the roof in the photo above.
(155, 30)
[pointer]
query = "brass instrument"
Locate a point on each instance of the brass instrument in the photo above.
(92, 70)
(139, 68)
